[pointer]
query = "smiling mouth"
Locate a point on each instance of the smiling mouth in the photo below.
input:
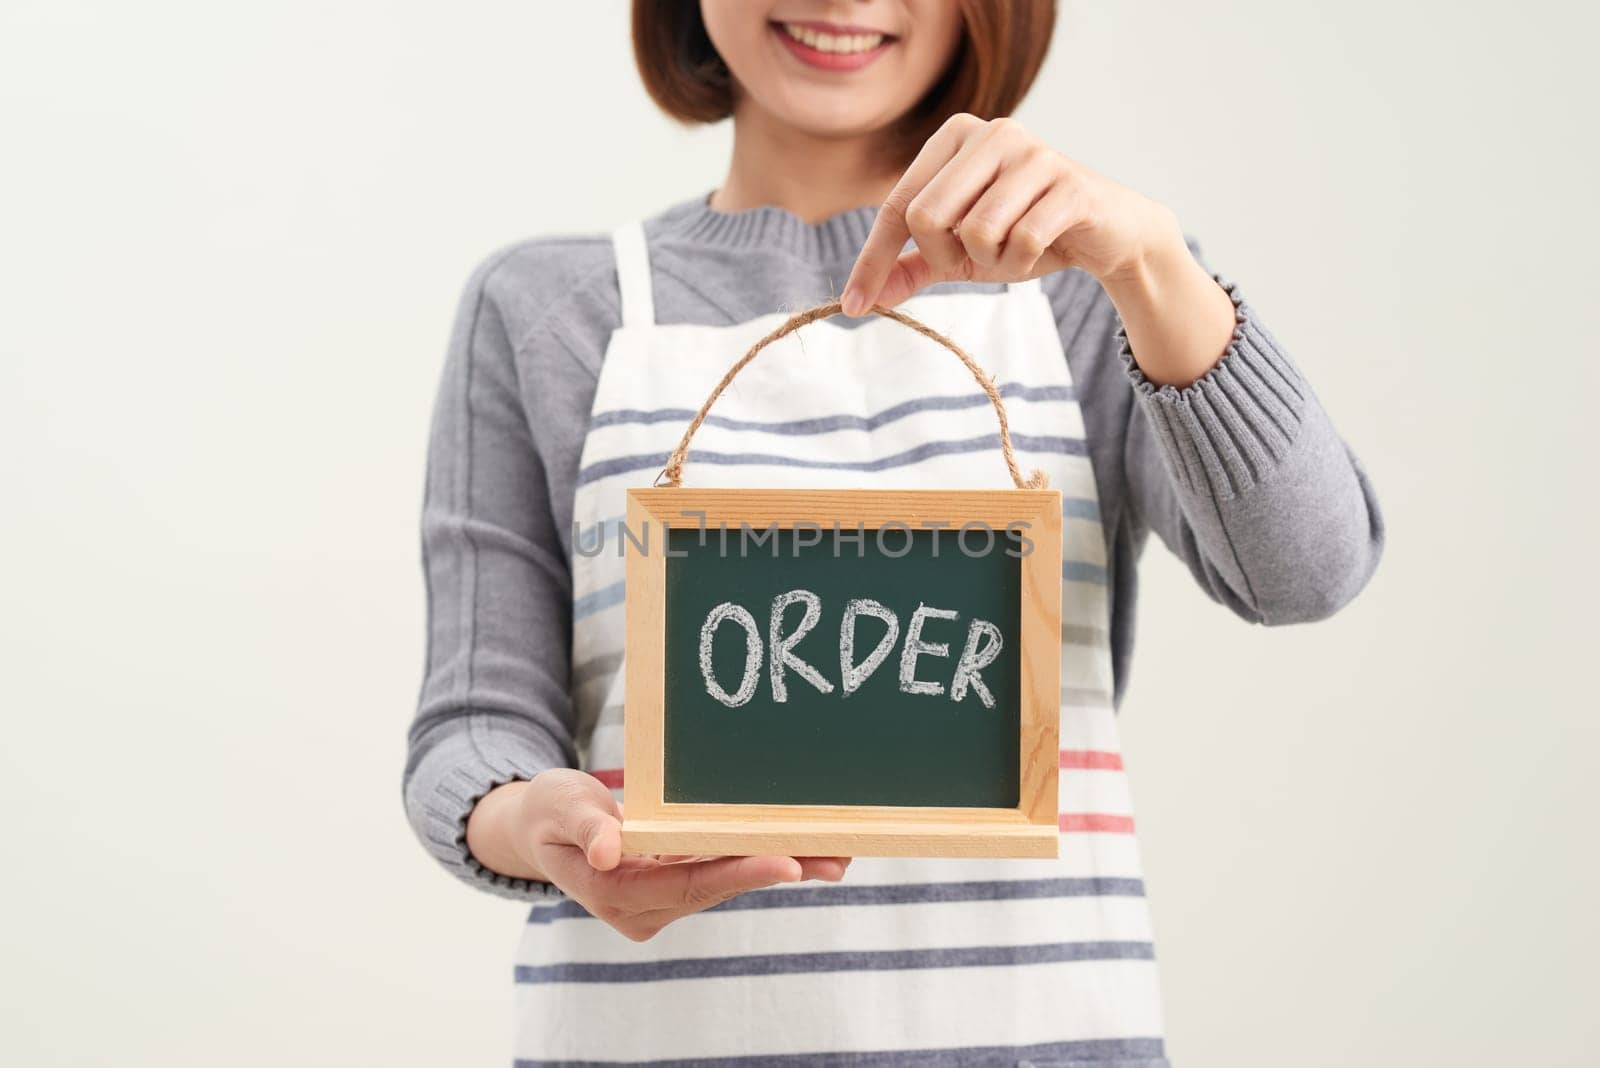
(833, 47)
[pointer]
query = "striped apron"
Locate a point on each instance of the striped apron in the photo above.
(908, 961)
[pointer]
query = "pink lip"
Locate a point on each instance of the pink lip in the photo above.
(838, 61)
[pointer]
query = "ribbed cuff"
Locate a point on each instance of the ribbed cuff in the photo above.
(466, 760)
(1230, 429)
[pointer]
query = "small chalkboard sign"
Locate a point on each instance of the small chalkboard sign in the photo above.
(842, 672)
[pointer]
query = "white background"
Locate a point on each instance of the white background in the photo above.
(231, 241)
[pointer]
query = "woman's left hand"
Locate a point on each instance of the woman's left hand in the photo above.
(987, 201)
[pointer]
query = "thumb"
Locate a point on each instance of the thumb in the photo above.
(602, 846)
(590, 820)
(910, 274)
(600, 833)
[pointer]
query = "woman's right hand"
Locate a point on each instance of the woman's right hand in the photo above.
(564, 827)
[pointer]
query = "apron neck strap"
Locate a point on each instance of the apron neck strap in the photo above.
(633, 275)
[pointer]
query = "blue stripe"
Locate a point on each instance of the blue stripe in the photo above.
(793, 897)
(1077, 571)
(1080, 508)
(622, 465)
(768, 964)
(830, 423)
(1083, 1053)
(598, 601)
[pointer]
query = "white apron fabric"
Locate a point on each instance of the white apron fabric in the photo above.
(964, 957)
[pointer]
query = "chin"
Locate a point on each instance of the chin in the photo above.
(815, 119)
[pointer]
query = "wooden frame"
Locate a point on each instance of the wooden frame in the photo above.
(652, 825)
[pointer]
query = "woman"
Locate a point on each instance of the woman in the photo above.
(1142, 384)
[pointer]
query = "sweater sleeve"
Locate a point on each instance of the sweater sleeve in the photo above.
(494, 705)
(1243, 476)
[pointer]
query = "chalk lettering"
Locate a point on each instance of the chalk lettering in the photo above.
(974, 659)
(916, 647)
(983, 646)
(851, 674)
(781, 656)
(752, 654)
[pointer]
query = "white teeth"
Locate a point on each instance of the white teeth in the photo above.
(827, 42)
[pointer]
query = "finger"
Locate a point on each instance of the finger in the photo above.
(935, 213)
(1036, 233)
(602, 841)
(587, 816)
(912, 273)
(828, 869)
(568, 867)
(684, 888)
(890, 230)
(831, 868)
(988, 223)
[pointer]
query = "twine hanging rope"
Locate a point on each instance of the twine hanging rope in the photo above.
(672, 474)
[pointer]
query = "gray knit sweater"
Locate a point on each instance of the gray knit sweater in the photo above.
(1241, 475)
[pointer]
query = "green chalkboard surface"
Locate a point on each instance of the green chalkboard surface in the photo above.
(952, 740)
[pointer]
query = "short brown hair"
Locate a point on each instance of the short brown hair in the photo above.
(1000, 53)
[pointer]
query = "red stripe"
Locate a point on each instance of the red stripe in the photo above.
(1078, 822)
(611, 777)
(1091, 759)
